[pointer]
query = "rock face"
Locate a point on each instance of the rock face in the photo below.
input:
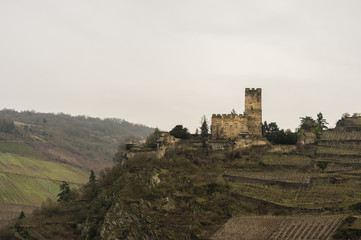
(127, 223)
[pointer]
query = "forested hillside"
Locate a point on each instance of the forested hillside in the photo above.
(82, 141)
(40, 150)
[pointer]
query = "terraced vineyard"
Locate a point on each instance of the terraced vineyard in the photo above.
(279, 227)
(284, 176)
(340, 136)
(27, 179)
(286, 160)
(13, 164)
(329, 177)
(333, 150)
(317, 197)
(307, 227)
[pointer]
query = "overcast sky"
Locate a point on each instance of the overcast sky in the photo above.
(162, 63)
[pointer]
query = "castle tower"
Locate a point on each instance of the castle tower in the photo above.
(253, 110)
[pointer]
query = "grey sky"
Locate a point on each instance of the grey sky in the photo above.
(163, 63)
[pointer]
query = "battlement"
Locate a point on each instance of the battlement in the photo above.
(253, 91)
(227, 115)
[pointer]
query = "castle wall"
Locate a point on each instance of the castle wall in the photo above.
(229, 126)
(226, 126)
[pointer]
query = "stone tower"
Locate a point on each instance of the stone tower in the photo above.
(253, 110)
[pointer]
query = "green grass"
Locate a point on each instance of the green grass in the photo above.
(21, 149)
(29, 191)
(15, 164)
(25, 190)
(28, 181)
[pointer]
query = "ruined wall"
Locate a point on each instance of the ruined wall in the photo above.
(226, 126)
(253, 110)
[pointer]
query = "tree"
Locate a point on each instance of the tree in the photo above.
(273, 134)
(151, 141)
(204, 127)
(342, 121)
(285, 137)
(92, 177)
(180, 132)
(308, 123)
(6, 126)
(270, 130)
(321, 121)
(345, 115)
(22, 215)
(64, 192)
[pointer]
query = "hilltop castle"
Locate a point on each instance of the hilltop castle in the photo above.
(228, 132)
(232, 126)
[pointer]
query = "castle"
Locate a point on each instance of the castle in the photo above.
(233, 126)
(228, 132)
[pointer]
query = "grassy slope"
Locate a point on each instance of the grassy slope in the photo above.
(27, 179)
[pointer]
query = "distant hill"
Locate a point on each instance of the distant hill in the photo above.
(82, 141)
(40, 150)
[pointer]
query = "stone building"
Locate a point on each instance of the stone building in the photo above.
(231, 126)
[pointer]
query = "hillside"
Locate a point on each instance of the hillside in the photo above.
(28, 178)
(38, 151)
(199, 193)
(205, 194)
(87, 142)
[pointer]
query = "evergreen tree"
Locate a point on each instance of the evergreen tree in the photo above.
(64, 191)
(92, 177)
(197, 132)
(321, 121)
(204, 127)
(22, 215)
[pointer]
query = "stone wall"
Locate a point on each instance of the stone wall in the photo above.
(253, 110)
(230, 126)
(226, 126)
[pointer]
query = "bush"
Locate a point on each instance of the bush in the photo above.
(322, 164)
